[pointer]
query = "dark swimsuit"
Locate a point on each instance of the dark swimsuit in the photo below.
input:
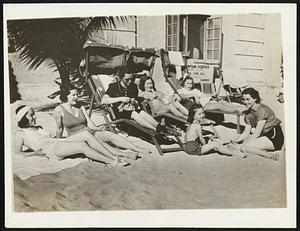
(193, 147)
(74, 124)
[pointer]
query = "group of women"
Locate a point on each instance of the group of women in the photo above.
(262, 132)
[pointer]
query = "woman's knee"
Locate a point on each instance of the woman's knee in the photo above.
(82, 146)
(103, 135)
(88, 136)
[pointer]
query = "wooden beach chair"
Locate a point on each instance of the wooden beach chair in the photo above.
(103, 59)
(141, 59)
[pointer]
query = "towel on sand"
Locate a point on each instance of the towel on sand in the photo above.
(25, 167)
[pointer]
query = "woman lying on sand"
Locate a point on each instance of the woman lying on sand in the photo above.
(195, 143)
(74, 118)
(161, 102)
(40, 141)
(188, 91)
(261, 121)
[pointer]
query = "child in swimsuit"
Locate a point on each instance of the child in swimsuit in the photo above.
(196, 144)
(43, 144)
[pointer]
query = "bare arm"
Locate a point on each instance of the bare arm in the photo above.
(19, 142)
(259, 127)
(199, 131)
(106, 99)
(59, 124)
(244, 135)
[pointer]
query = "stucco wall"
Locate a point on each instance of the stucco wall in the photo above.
(151, 31)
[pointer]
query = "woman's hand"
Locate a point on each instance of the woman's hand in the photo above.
(176, 97)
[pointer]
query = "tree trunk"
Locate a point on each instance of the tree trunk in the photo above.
(63, 70)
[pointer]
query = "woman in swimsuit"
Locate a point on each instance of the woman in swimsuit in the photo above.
(161, 102)
(43, 144)
(188, 91)
(73, 118)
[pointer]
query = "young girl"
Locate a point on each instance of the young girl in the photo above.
(263, 132)
(74, 118)
(189, 91)
(161, 102)
(37, 139)
(195, 143)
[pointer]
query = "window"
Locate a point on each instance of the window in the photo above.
(172, 41)
(213, 39)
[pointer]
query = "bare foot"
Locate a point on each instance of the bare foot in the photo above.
(275, 157)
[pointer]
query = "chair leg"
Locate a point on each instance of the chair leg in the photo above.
(91, 105)
(179, 143)
(157, 146)
(238, 127)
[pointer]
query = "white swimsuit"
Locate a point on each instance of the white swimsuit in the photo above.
(41, 140)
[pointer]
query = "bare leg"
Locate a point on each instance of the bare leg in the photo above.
(149, 118)
(64, 149)
(259, 147)
(175, 111)
(223, 106)
(97, 145)
(214, 145)
(119, 141)
(142, 121)
(181, 108)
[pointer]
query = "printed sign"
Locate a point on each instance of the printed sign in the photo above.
(199, 71)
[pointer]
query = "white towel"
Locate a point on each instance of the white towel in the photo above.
(25, 167)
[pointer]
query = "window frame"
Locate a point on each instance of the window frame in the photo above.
(206, 39)
(171, 47)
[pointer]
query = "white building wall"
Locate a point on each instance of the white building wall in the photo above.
(151, 31)
(252, 49)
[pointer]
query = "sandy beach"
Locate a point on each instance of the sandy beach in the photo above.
(173, 181)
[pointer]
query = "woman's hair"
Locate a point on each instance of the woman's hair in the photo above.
(253, 93)
(143, 81)
(65, 92)
(192, 112)
(186, 79)
(23, 122)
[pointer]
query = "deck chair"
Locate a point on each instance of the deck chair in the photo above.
(102, 59)
(206, 82)
(143, 59)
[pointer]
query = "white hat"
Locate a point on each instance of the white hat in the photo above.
(21, 113)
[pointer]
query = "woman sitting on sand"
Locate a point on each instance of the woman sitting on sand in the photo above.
(195, 143)
(261, 121)
(74, 118)
(188, 91)
(161, 102)
(40, 141)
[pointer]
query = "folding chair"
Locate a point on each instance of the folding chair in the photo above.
(108, 59)
(205, 75)
(141, 59)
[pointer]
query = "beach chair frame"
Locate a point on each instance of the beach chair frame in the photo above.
(217, 71)
(97, 95)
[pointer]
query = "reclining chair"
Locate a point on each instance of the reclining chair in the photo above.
(206, 85)
(108, 60)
